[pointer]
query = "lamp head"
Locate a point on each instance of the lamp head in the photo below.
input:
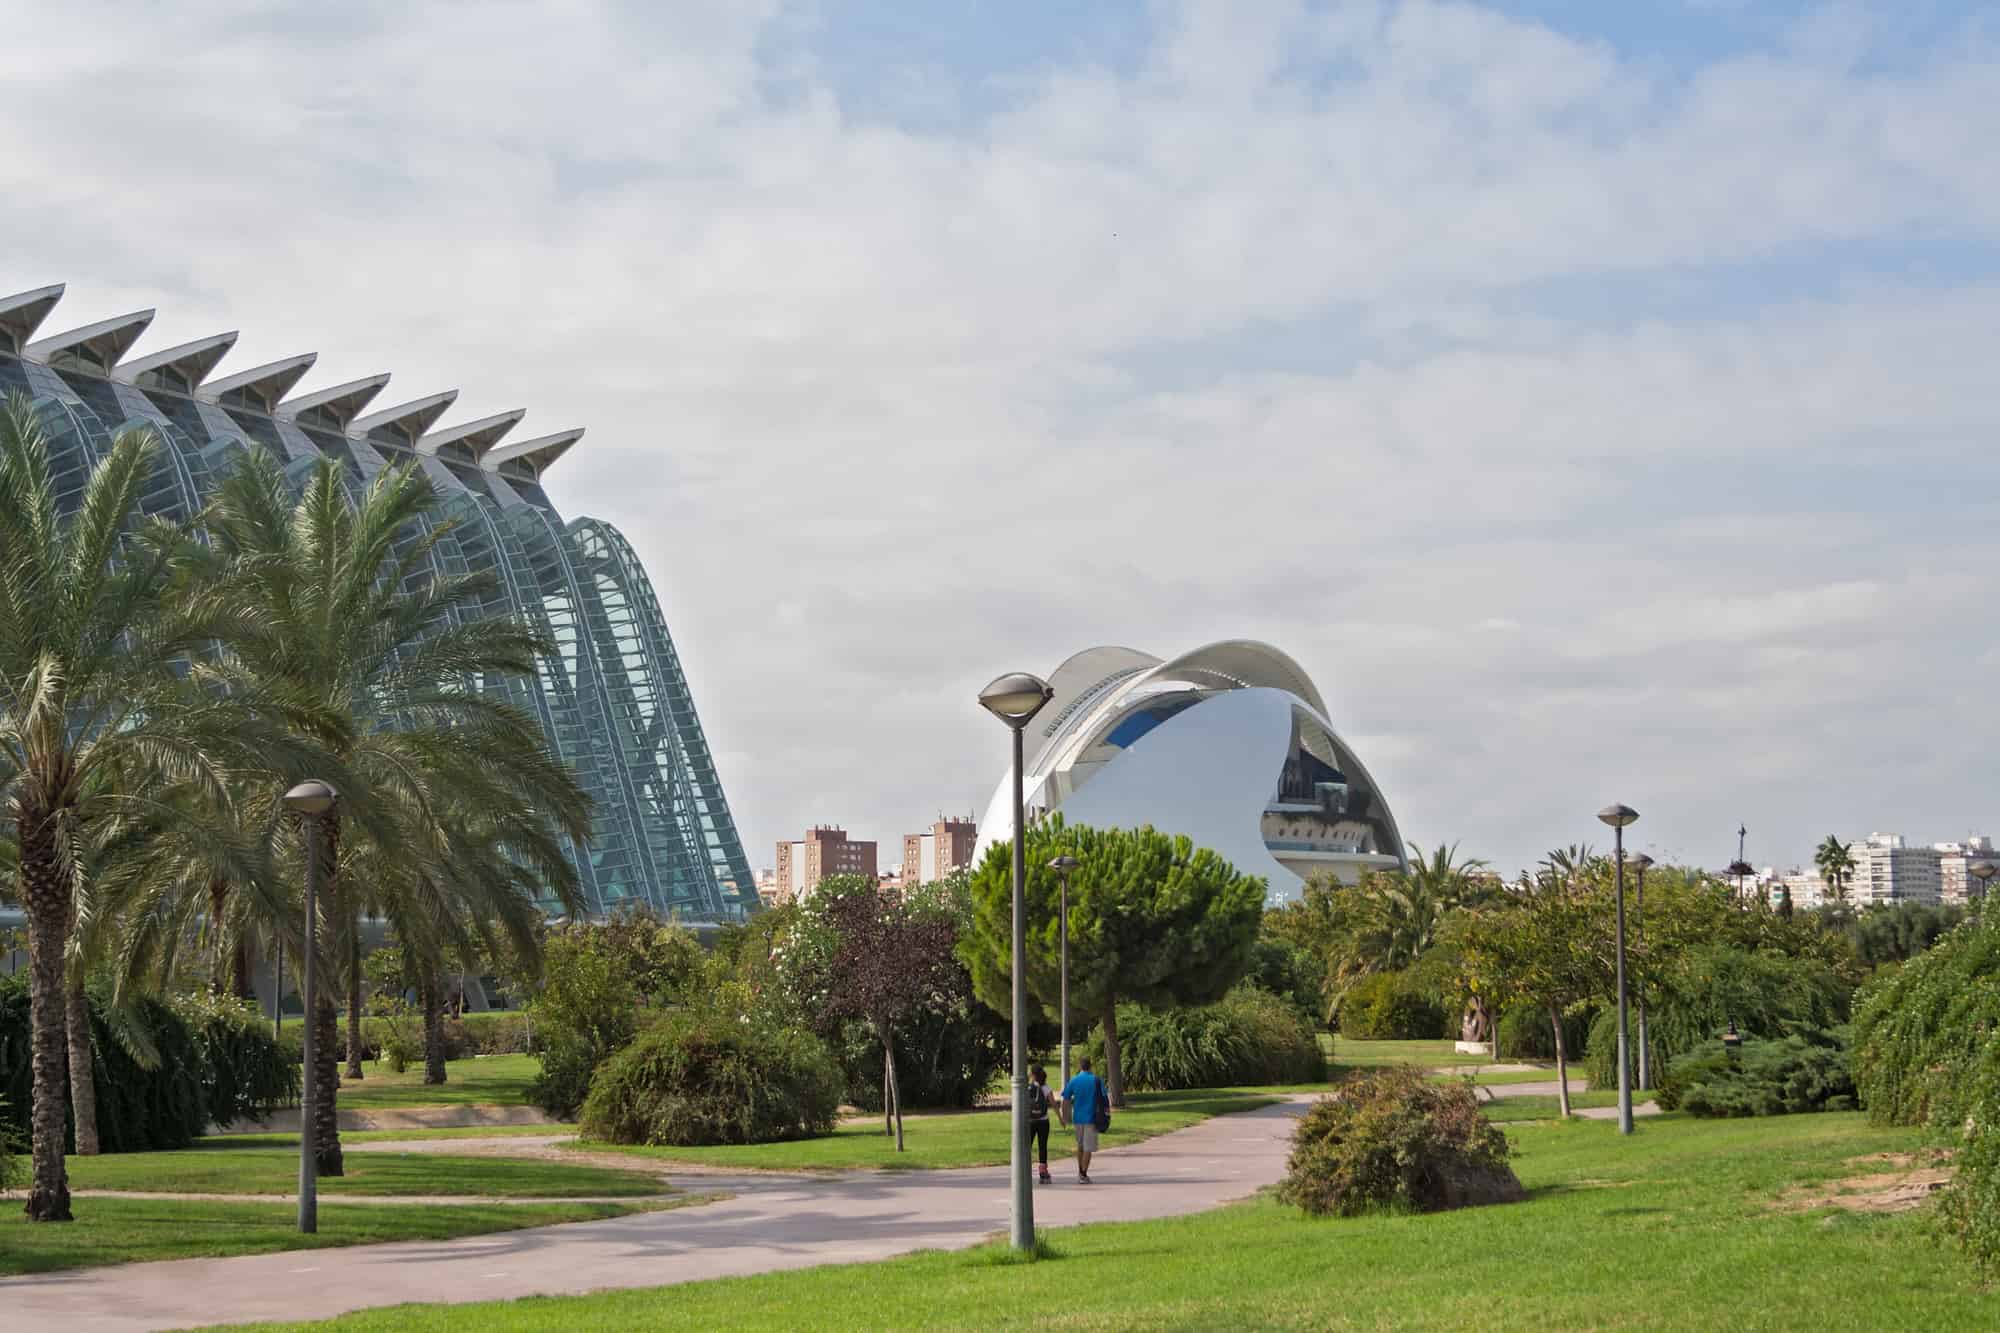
(1016, 697)
(311, 797)
(1642, 863)
(1984, 870)
(1617, 816)
(1063, 864)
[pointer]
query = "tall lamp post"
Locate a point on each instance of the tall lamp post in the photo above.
(1618, 816)
(1062, 865)
(1741, 868)
(1642, 863)
(1015, 699)
(310, 800)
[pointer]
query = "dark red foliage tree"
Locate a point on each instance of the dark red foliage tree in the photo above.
(891, 956)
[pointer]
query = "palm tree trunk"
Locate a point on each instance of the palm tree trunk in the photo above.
(433, 1026)
(326, 1055)
(218, 899)
(82, 1070)
(1114, 1073)
(1562, 1062)
(355, 1042)
(45, 896)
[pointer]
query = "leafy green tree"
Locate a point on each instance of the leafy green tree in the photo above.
(94, 642)
(1153, 920)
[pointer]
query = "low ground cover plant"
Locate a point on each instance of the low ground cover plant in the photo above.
(1392, 1139)
(710, 1076)
(1249, 1037)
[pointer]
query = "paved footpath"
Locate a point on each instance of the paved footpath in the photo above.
(772, 1222)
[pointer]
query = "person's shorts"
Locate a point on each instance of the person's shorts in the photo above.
(1086, 1137)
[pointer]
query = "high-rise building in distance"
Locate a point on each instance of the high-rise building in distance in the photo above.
(934, 855)
(825, 851)
(613, 700)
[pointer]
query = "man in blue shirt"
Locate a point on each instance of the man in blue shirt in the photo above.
(1082, 1096)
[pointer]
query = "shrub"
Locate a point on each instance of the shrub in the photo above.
(1295, 975)
(944, 1056)
(1707, 987)
(1386, 1006)
(1804, 1071)
(706, 1076)
(1969, 1208)
(1919, 1027)
(1247, 1037)
(245, 1071)
(1526, 1033)
(597, 979)
(1391, 1139)
(13, 1148)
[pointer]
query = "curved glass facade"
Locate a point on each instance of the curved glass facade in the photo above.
(613, 700)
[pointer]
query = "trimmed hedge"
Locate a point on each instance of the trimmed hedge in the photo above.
(704, 1077)
(1387, 1006)
(495, 1032)
(1392, 1139)
(1248, 1037)
(1805, 1071)
(211, 1061)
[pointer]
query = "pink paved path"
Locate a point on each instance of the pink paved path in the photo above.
(771, 1223)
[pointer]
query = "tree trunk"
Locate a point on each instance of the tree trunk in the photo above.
(45, 896)
(433, 1026)
(355, 1042)
(1562, 1062)
(82, 1070)
(323, 1010)
(1114, 1073)
(888, 1115)
(895, 1093)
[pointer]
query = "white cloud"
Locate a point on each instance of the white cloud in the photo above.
(1358, 329)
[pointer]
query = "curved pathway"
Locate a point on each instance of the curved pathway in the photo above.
(769, 1222)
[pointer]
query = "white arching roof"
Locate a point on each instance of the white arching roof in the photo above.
(22, 313)
(261, 387)
(476, 437)
(408, 421)
(333, 408)
(1209, 769)
(179, 369)
(536, 454)
(94, 348)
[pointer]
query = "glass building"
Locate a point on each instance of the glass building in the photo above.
(613, 700)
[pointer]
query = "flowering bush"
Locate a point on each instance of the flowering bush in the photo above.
(1393, 1139)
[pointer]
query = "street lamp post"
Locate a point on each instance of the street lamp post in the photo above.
(1015, 699)
(1618, 816)
(1983, 871)
(1642, 863)
(1062, 865)
(310, 800)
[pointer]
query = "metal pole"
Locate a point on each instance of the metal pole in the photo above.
(1639, 925)
(1624, 1060)
(308, 1166)
(1024, 1198)
(1063, 930)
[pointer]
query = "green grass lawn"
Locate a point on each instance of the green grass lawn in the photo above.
(1348, 1053)
(275, 1170)
(1544, 1106)
(969, 1138)
(279, 1140)
(490, 1080)
(1673, 1228)
(120, 1231)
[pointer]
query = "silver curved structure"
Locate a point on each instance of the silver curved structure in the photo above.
(614, 701)
(1229, 744)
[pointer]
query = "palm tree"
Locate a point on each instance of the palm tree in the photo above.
(94, 642)
(355, 619)
(1835, 862)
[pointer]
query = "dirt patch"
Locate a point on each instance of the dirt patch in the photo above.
(1877, 1192)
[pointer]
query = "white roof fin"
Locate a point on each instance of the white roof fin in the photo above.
(93, 349)
(260, 387)
(535, 455)
(22, 313)
(474, 437)
(405, 423)
(331, 409)
(178, 369)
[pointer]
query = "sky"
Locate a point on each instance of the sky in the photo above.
(1599, 401)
